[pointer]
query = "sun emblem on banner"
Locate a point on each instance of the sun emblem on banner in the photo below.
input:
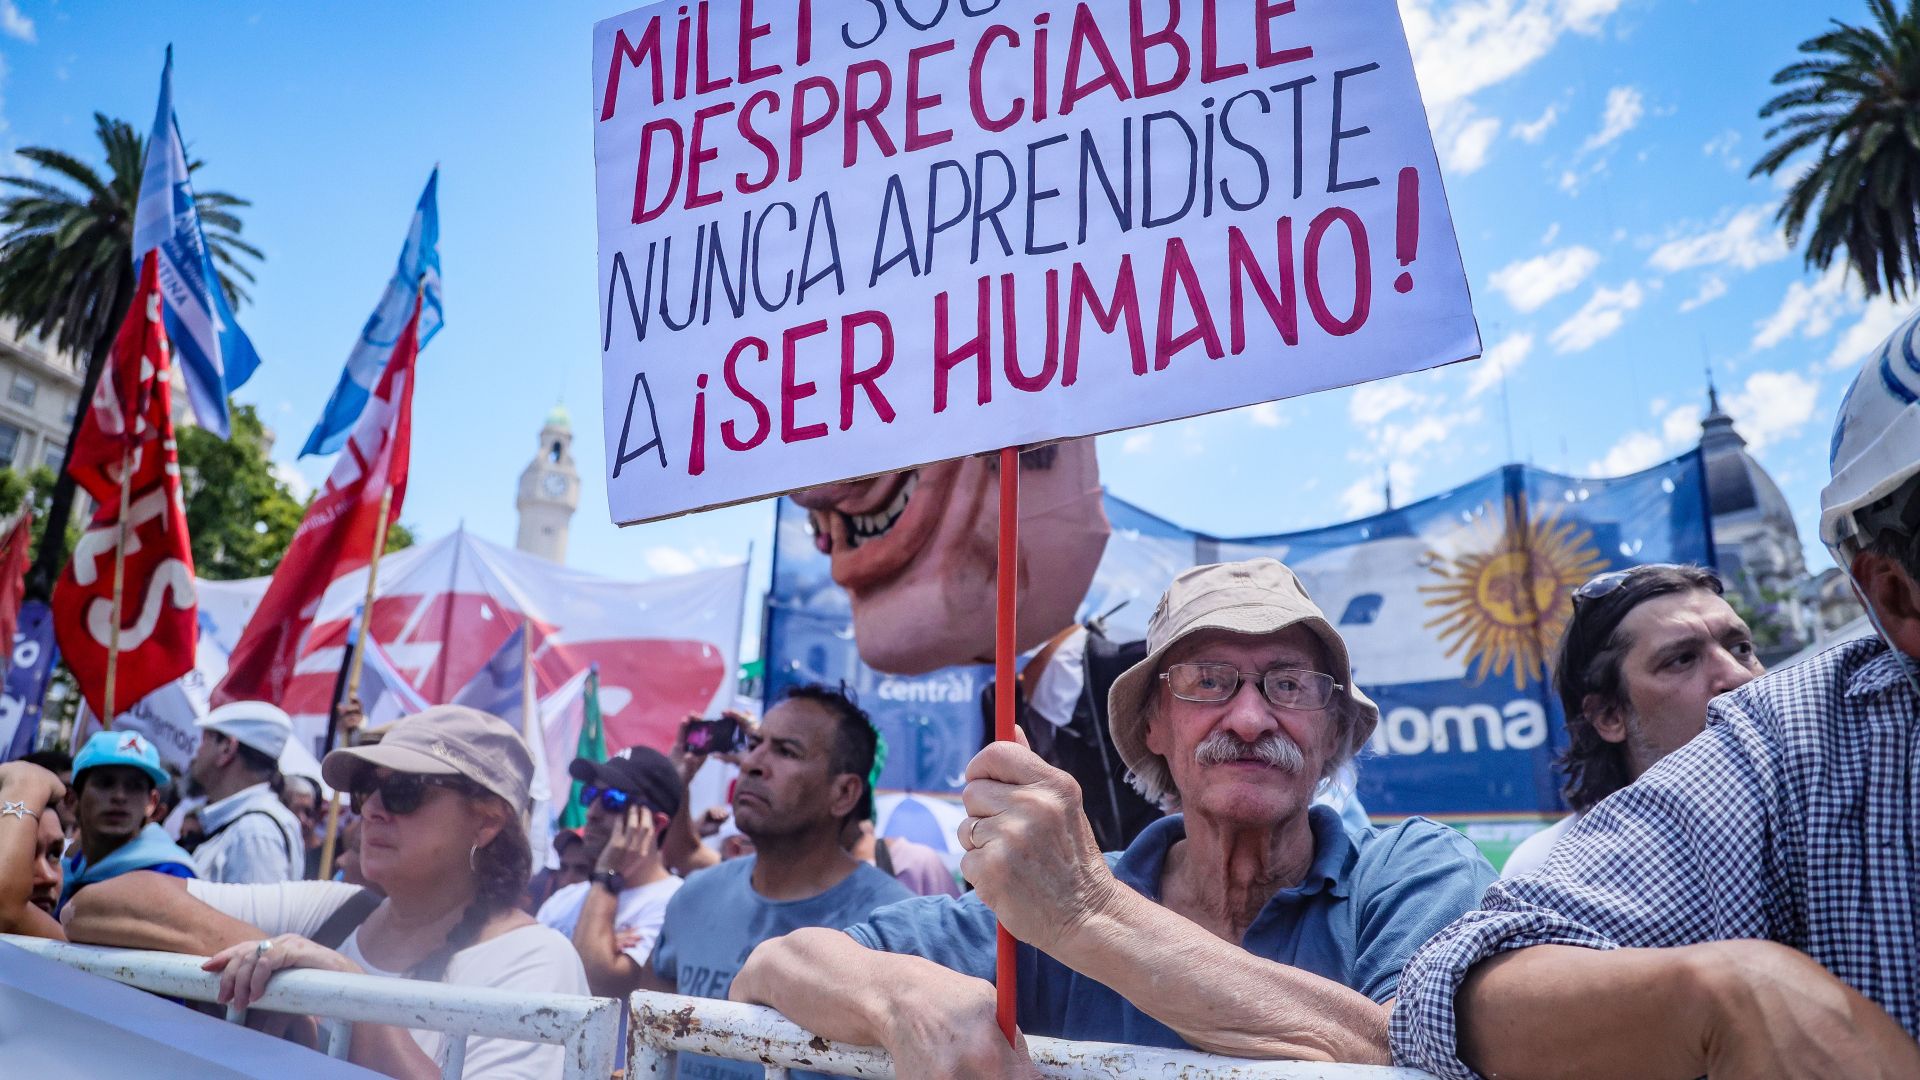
(1506, 603)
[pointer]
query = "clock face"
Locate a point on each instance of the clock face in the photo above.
(554, 485)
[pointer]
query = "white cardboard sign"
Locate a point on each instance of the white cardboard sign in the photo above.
(842, 237)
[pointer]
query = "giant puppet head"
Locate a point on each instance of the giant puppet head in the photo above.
(916, 552)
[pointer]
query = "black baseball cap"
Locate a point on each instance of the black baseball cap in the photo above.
(643, 772)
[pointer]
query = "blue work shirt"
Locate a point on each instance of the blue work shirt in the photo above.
(716, 919)
(1369, 899)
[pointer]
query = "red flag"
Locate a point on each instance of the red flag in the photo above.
(16, 554)
(336, 536)
(129, 428)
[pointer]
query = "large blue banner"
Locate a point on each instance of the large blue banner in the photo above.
(1451, 608)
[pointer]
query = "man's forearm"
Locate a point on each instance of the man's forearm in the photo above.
(1565, 1011)
(145, 910)
(832, 985)
(1218, 996)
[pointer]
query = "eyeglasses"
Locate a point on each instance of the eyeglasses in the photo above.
(612, 800)
(1288, 688)
(400, 793)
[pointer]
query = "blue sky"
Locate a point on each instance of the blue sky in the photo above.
(1595, 155)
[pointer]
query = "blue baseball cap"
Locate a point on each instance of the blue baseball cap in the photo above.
(127, 748)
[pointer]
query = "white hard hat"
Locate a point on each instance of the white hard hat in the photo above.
(1876, 439)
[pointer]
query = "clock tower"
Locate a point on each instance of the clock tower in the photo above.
(549, 491)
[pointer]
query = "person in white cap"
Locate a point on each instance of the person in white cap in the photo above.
(251, 838)
(1747, 907)
(1251, 922)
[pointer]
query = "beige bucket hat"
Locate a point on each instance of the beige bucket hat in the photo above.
(446, 740)
(1255, 597)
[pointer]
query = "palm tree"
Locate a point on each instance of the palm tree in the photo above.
(1856, 98)
(66, 272)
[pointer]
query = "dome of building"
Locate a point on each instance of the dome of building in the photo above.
(1755, 539)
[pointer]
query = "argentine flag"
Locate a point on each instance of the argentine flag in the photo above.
(215, 356)
(419, 267)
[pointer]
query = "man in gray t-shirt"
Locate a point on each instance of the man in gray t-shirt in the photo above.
(802, 775)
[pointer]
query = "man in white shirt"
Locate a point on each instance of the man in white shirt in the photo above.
(614, 917)
(1645, 651)
(251, 838)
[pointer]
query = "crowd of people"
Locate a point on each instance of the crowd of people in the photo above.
(1732, 895)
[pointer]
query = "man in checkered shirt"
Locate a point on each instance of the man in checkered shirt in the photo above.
(1751, 905)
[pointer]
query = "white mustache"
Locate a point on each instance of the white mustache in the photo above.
(1272, 749)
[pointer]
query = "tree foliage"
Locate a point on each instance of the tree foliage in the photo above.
(240, 515)
(1854, 101)
(66, 265)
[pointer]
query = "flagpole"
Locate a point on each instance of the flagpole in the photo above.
(1007, 587)
(119, 587)
(353, 674)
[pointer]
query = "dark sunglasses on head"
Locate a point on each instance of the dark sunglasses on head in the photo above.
(612, 800)
(1609, 583)
(400, 793)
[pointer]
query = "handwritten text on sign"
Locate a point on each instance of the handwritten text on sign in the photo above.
(840, 237)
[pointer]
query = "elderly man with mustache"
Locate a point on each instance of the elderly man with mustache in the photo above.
(1250, 923)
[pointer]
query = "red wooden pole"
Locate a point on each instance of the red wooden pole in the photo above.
(1003, 653)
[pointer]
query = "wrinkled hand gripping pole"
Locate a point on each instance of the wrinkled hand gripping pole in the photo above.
(1003, 650)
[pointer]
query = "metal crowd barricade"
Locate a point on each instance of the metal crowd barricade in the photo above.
(587, 1027)
(664, 1024)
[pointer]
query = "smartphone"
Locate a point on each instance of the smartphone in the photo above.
(720, 736)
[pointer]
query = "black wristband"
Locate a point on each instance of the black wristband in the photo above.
(611, 881)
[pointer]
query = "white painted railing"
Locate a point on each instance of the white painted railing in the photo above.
(664, 1024)
(587, 1027)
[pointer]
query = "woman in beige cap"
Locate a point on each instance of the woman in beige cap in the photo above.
(442, 800)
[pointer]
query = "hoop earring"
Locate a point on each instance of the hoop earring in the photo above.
(473, 861)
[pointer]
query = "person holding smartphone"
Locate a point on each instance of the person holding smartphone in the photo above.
(614, 917)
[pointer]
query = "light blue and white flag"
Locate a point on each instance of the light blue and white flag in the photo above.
(215, 356)
(419, 267)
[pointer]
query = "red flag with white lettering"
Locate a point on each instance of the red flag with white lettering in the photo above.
(336, 536)
(16, 552)
(129, 429)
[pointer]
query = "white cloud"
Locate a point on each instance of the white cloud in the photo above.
(1808, 309)
(1552, 234)
(296, 483)
(1499, 361)
(1472, 45)
(13, 23)
(1625, 107)
(1745, 240)
(1878, 318)
(1640, 449)
(1722, 147)
(1532, 131)
(1530, 283)
(1367, 495)
(1468, 145)
(1137, 442)
(1711, 289)
(1773, 405)
(1375, 401)
(1603, 313)
(1267, 414)
(1636, 450)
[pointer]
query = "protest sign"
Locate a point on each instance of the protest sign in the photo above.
(838, 240)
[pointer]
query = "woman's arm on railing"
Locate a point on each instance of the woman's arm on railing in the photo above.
(145, 910)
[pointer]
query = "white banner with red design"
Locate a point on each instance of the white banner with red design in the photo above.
(666, 647)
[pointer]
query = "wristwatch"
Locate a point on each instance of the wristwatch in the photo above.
(610, 880)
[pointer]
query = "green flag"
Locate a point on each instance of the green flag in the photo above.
(593, 747)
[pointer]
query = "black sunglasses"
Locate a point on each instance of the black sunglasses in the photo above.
(1608, 583)
(612, 800)
(400, 793)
